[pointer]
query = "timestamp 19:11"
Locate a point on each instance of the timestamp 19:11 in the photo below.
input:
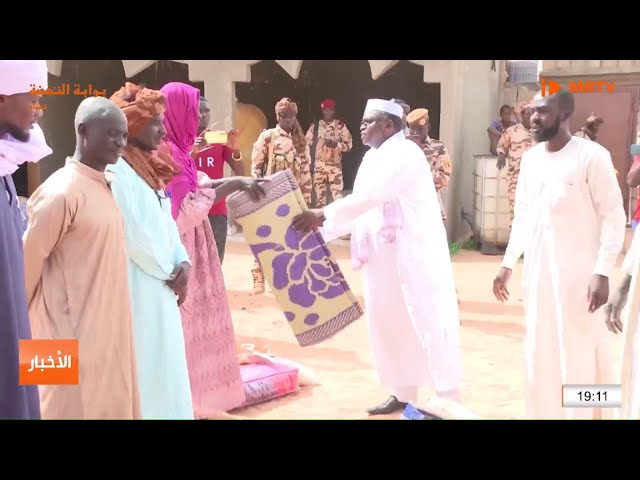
(591, 396)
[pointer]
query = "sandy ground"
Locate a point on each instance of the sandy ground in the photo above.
(492, 344)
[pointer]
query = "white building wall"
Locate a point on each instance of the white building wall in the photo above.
(469, 101)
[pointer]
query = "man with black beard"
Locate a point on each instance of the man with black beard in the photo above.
(570, 224)
(21, 140)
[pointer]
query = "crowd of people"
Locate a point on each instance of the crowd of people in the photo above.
(139, 284)
(123, 249)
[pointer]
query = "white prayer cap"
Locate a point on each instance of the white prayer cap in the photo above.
(385, 106)
(18, 76)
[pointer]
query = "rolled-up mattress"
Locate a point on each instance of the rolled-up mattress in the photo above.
(299, 268)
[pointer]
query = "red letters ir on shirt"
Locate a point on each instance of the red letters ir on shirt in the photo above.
(211, 161)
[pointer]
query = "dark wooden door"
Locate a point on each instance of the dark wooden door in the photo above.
(619, 111)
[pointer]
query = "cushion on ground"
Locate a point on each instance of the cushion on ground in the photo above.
(266, 382)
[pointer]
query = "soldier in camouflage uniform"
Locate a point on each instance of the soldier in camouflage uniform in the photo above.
(590, 130)
(333, 139)
(514, 142)
(278, 149)
(497, 127)
(434, 150)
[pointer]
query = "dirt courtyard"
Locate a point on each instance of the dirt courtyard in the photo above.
(492, 343)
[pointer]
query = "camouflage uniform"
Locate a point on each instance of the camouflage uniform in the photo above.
(514, 142)
(284, 156)
(440, 165)
(593, 121)
(584, 133)
(328, 161)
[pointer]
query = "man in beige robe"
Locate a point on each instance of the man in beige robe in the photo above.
(76, 272)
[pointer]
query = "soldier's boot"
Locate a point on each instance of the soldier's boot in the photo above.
(258, 281)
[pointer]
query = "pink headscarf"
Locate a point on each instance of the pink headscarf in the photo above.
(181, 123)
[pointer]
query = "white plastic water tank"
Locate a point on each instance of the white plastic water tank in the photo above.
(490, 202)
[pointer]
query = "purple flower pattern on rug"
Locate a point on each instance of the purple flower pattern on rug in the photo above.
(302, 266)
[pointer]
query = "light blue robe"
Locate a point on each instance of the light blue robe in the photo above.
(154, 249)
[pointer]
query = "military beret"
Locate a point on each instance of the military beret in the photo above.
(418, 117)
(328, 103)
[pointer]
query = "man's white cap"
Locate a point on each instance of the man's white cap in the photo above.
(385, 106)
(18, 76)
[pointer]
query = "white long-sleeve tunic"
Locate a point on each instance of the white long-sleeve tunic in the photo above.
(409, 291)
(570, 224)
(630, 378)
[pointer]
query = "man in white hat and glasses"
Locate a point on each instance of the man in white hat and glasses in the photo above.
(399, 241)
(21, 140)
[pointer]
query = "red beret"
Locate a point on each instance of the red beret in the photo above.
(328, 103)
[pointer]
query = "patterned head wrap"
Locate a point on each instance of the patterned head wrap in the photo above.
(140, 105)
(286, 105)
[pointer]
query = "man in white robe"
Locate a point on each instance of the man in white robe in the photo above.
(159, 266)
(570, 224)
(399, 241)
(630, 378)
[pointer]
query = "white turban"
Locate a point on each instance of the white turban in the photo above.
(17, 76)
(391, 108)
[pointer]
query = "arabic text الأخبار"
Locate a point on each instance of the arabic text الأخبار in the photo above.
(63, 362)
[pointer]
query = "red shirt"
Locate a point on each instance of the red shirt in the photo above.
(211, 161)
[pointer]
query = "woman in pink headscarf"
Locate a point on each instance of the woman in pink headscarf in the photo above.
(214, 370)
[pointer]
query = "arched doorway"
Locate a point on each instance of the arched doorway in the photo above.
(57, 122)
(349, 82)
(346, 81)
(318, 79)
(405, 80)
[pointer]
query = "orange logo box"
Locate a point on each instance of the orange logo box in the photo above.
(49, 362)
